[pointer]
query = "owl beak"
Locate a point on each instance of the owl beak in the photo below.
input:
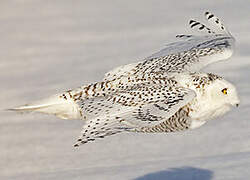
(237, 105)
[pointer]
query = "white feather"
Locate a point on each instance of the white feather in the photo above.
(62, 108)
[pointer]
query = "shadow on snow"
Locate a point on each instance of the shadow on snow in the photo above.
(187, 173)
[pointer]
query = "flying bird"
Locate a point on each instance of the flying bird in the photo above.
(165, 92)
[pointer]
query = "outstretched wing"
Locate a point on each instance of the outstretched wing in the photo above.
(190, 53)
(144, 106)
(215, 37)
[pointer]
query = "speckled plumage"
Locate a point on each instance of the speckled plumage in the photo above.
(152, 104)
(163, 93)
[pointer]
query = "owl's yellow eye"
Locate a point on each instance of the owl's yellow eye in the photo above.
(224, 91)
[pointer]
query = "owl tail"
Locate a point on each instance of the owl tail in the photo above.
(64, 108)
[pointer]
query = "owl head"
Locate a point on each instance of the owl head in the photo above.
(223, 94)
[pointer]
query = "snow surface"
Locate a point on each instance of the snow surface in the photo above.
(47, 47)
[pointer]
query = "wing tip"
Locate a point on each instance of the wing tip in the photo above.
(216, 23)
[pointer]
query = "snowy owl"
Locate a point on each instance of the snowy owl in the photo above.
(165, 92)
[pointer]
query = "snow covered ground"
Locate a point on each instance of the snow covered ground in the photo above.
(47, 47)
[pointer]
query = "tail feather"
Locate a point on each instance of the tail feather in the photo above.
(62, 108)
